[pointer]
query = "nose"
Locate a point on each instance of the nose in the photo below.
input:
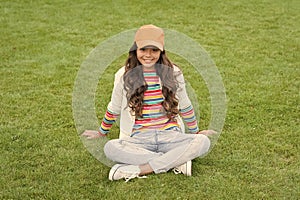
(148, 52)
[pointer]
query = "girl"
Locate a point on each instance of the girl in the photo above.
(150, 98)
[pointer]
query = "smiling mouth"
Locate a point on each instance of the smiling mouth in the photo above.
(148, 60)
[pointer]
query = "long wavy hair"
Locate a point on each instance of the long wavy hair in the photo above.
(135, 84)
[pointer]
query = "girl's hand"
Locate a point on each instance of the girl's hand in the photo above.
(92, 134)
(207, 132)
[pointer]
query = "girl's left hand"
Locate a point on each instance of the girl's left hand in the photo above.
(207, 132)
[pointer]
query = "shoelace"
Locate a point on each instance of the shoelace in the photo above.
(133, 176)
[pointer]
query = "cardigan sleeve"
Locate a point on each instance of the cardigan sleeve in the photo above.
(115, 103)
(185, 106)
(181, 94)
(114, 107)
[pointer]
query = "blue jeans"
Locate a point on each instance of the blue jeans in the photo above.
(162, 150)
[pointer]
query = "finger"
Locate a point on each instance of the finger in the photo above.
(85, 134)
(88, 132)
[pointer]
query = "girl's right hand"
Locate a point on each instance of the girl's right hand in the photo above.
(92, 134)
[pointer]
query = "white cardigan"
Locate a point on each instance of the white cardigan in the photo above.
(118, 102)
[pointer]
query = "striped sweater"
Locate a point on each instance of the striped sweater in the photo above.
(153, 116)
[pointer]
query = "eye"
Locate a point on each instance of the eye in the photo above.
(142, 49)
(155, 50)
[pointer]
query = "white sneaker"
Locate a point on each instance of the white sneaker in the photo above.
(120, 171)
(185, 169)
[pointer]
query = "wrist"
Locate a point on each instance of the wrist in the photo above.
(101, 134)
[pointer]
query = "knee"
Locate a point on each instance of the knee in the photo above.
(203, 144)
(109, 148)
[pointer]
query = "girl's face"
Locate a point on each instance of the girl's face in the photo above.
(148, 56)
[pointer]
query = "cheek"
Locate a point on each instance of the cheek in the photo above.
(156, 55)
(139, 59)
(138, 55)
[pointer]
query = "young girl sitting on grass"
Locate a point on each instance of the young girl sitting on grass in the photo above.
(149, 96)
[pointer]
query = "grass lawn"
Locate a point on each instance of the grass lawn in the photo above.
(255, 45)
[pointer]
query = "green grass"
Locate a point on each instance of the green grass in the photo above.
(255, 45)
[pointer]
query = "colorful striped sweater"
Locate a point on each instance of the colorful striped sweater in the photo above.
(152, 115)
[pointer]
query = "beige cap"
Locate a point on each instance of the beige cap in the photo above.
(149, 35)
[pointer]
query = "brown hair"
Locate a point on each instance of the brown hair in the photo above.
(135, 84)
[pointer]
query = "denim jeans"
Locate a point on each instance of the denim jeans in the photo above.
(162, 150)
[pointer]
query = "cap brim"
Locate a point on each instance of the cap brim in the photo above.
(146, 43)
